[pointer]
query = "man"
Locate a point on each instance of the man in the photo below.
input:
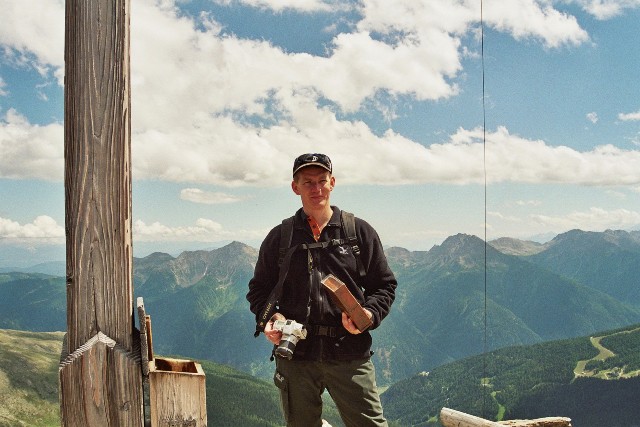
(335, 355)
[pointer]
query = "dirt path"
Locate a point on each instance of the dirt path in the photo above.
(603, 354)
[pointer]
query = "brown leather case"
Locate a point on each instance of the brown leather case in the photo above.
(343, 298)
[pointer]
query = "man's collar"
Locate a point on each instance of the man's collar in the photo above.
(301, 216)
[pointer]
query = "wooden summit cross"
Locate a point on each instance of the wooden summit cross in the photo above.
(101, 369)
(100, 375)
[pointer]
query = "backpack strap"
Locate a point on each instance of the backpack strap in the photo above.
(349, 227)
(286, 233)
(348, 223)
(285, 252)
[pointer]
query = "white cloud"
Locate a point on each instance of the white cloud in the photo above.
(42, 228)
(625, 117)
(534, 19)
(197, 195)
(595, 219)
(299, 5)
(528, 202)
(204, 230)
(30, 151)
(207, 139)
(607, 9)
(222, 110)
(32, 33)
(503, 217)
(512, 158)
(592, 117)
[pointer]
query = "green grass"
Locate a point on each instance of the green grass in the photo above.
(28, 378)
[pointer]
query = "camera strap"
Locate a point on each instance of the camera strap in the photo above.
(276, 292)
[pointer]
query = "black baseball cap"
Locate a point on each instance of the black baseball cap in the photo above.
(312, 159)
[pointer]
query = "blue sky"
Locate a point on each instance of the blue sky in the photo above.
(225, 93)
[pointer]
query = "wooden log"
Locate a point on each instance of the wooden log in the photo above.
(453, 418)
(539, 422)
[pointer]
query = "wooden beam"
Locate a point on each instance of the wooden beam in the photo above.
(100, 376)
(97, 171)
(539, 422)
(98, 384)
(453, 418)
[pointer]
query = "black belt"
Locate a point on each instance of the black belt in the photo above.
(326, 331)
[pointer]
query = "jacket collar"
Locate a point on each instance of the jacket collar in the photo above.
(301, 218)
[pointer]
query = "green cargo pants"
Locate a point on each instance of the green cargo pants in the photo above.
(351, 384)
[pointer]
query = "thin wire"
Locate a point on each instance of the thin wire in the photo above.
(484, 165)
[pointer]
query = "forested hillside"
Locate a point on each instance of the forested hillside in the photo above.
(530, 382)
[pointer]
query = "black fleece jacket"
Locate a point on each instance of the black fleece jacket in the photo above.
(304, 299)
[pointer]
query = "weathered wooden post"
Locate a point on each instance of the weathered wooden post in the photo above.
(100, 376)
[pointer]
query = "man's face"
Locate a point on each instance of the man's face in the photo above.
(313, 185)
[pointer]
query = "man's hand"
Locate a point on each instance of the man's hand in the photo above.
(350, 326)
(273, 335)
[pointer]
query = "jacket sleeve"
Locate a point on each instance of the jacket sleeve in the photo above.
(379, 284)
(265, 275)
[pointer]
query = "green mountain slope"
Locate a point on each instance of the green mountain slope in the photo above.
(528, 382)
(29, 378)
(442, 297)
(607, 261)
(34, 302)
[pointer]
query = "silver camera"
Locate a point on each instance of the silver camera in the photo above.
(292, 332)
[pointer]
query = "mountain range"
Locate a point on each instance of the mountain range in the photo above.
(458, 299)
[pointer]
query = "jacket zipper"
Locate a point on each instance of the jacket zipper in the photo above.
(314, 273)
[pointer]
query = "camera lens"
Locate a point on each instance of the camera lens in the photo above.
(286, 347)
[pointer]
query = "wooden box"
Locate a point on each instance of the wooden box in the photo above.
(177, 393)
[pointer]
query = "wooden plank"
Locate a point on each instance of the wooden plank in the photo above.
(147, 321)
(453, 418)
(97, 171)
(145, 337)
(539, 422)
(97, 382)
